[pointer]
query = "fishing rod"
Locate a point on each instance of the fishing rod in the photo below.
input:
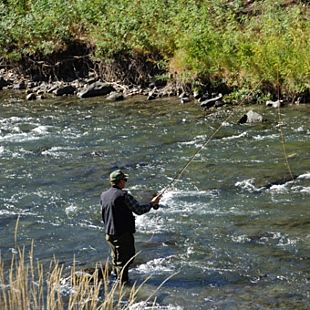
(181, 171)
(282, 136)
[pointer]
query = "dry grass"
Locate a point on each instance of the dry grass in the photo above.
(26, 285)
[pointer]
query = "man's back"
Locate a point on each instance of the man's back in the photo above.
(117, 217)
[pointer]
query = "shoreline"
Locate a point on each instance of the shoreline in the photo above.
(93, 85)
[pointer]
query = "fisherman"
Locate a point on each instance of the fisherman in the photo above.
(118, 207)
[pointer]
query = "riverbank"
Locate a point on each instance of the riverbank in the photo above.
(92, 85)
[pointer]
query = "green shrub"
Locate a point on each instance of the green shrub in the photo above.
(239, 43)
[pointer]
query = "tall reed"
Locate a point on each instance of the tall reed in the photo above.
(26, 284)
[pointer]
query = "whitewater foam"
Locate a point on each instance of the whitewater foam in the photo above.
(305, 190)
(243, 134)
(157, 265)
(280, 188)
(71, 209)
(40, 130)
(248, 185)
(304, 176)
(271, 137)
(143, 305)
(56, 152)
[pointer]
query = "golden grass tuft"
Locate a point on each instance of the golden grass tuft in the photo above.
(25, 284)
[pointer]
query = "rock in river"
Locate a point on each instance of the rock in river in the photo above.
(251, 117)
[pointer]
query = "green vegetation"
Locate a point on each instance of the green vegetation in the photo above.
(243, 44)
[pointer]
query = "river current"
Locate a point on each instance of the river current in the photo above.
(233, 232)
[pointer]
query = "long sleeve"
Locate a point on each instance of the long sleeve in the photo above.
(135, 206)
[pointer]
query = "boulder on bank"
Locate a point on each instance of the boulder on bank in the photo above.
(31, 96)
(274, 104)
(251, 117)
(3, 82)
(64, 90)
(115, 96)
(96, 89)
(153, 94)
(208, 103)
(19, 85)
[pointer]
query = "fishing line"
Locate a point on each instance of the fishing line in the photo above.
(282, 136)
(282, 139)
(181, 171)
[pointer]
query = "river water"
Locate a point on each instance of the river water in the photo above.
(233, 231)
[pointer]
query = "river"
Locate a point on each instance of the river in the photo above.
(231, 232)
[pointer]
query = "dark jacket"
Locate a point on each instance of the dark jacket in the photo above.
(118, 219)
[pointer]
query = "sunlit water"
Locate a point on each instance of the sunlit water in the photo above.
(231, 234)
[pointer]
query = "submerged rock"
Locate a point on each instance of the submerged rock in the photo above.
(251, 117)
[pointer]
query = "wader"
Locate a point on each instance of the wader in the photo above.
(122, 252)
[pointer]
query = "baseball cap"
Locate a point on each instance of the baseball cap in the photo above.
(118, 175)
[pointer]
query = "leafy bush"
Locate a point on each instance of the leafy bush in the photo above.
(244, 44)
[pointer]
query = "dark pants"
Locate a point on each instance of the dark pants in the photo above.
(122, 252)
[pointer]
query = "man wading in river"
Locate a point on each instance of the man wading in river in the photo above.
(118, 207)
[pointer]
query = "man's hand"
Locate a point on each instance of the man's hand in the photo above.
(155, 201)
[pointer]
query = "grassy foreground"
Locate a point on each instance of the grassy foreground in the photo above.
(27, 285)
(243, 44)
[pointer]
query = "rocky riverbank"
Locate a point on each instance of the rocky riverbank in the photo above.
(93, 84)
